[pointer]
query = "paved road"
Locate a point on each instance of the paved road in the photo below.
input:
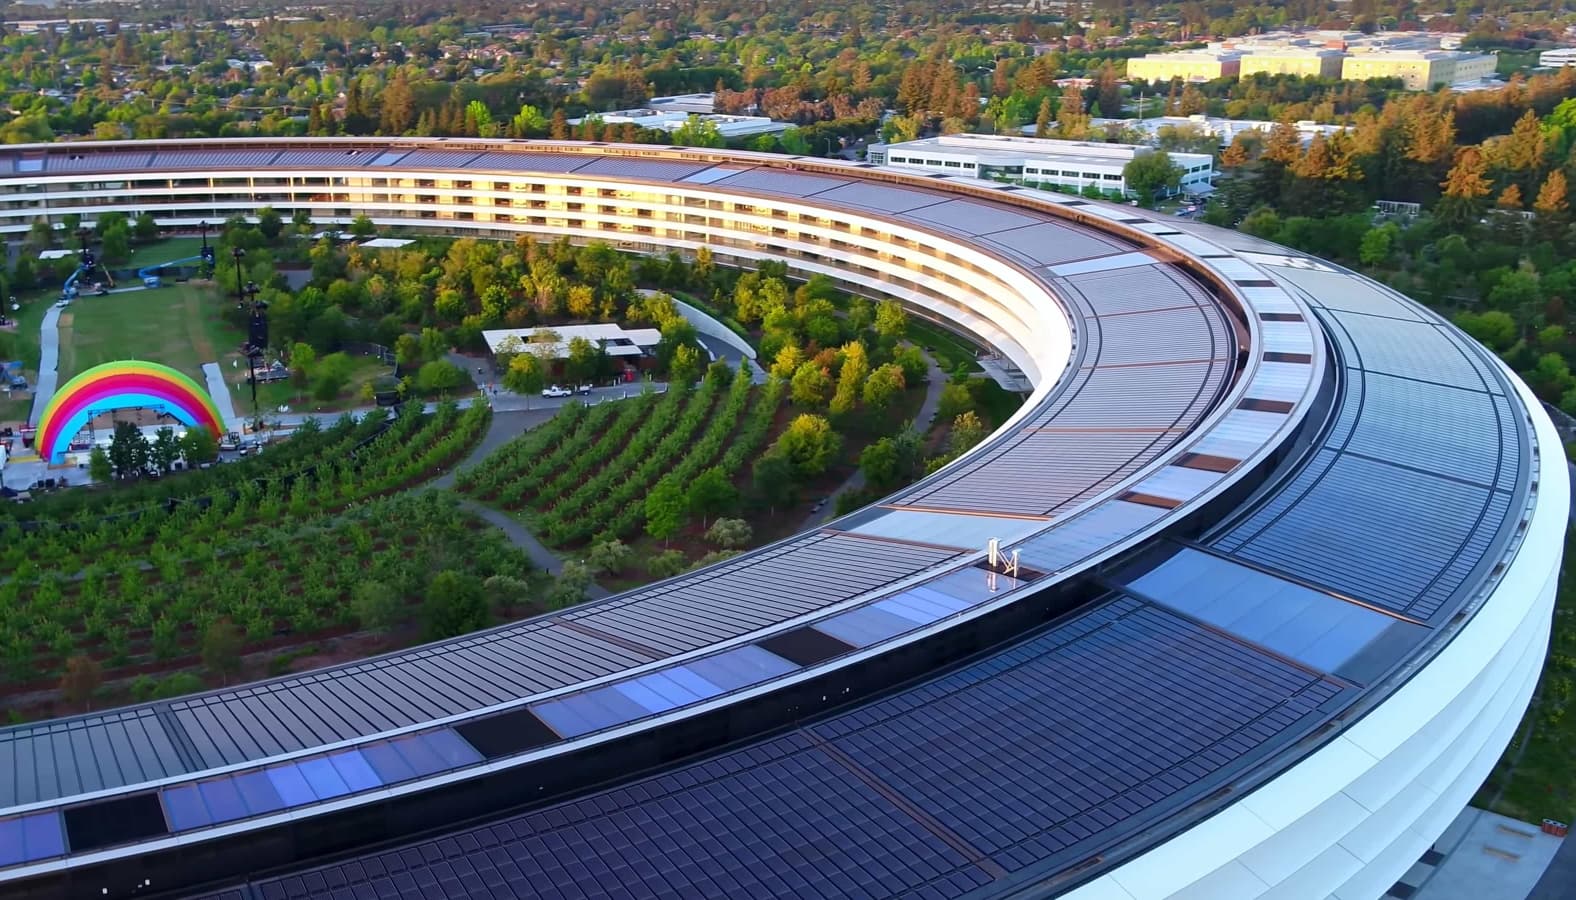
(922, 422)
(48, 364)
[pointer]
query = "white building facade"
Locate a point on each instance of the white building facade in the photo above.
(1077, 165)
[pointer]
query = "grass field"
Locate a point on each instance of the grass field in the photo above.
(181, 326)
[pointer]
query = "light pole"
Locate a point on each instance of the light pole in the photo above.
(207, 251)
(237, 254)
(256, 341)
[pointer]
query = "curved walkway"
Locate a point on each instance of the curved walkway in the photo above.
(504, 427)
(48, 364)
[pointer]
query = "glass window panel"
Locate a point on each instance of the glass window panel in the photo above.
(604, 706)
(320, 774)
(973, 585)
(741, 666)
(353, 768)
(43, 836)
(258, 793)
(564, 719)
(292, 787)
(388, 763)
(222, 799)
(422, 758)
(10, 842)
(645, 696)
(946, 601)
(667, 688)
(692, 682)
(863, 627)
(450, 748)
(183, 807)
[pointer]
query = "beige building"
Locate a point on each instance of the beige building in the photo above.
(1419, 70)
(1195, 66)
(1307, 62)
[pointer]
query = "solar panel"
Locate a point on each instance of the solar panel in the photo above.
(120, 820)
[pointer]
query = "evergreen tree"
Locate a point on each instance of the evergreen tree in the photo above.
(1465, 187)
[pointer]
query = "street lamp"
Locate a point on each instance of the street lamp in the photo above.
(207, 251)
(238, 253)
(256, 341)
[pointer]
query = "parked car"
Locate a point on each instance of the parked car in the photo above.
(583, 389)
(557, 391)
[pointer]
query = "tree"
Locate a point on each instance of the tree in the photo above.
(1149, 173)
(883, 386)
(455, 605)
(1072, 122)
(698, 132)
(711, 493)
(967, 430)
(609, 557)
(955, 398)
(115, 244)
(1494, 329)
(166, 449)
(787, 361)
(128, 451)
(199, 446)
(330, 376)
(685, 367)
(773, 481)
(582, 361)
(222, 643)
(146, 229)
(811, 385)
(574, 579)
(80, 681)
(1552, 200)
(665, 508)
(439, 377)
(1042, 121)
(407, 350)
(879, 462)
(529, 122)
(505, 592)
(525, 374)
(302, 359)
(891, 321)
(1465, 187)
(730, 534)
(270, 223)
(1377, 244)
(375, 605)
(666, 564)
(809, 444)
(99, 468)
(850, 378)
(362, 226)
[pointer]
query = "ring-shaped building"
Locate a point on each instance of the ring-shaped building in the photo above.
(1275, 553)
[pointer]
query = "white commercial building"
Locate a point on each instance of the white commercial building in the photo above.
(614, 340)
(1224, 129)
(1037, 161)
(670, 121)
(1558, 59)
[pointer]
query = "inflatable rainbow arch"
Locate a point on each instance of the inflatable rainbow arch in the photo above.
(126, 384)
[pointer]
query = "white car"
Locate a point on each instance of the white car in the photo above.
(557, 391)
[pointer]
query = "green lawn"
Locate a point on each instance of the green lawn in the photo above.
(949, 349)
(167, 250)
(180, 325)
(271, 396)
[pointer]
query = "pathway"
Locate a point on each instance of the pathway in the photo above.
(922, 422)
(220, 392)
(48, 363)
(505, 427)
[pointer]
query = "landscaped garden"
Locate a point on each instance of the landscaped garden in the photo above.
(333, 543)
